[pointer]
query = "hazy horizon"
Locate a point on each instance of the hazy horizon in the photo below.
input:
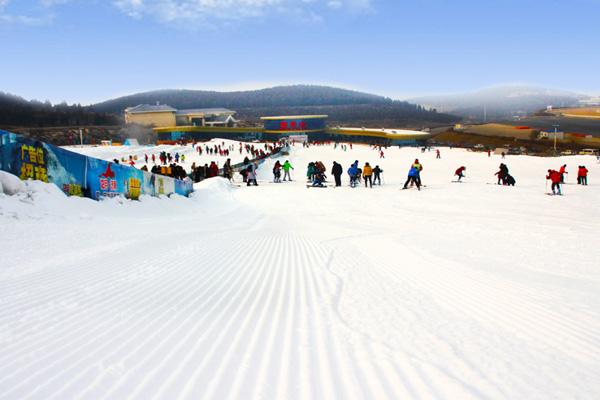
(88, 52)
(250, 87)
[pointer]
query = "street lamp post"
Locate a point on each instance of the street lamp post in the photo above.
(555, 134)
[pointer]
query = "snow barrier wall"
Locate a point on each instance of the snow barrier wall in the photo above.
(79, 175)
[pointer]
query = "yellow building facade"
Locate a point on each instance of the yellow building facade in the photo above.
(158, 116)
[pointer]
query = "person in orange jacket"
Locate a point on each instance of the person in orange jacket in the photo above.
(554, 176)
(367, 174)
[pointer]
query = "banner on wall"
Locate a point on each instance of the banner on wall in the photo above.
(79, 175)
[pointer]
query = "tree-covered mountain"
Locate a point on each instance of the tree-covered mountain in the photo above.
(342, 105)
(345, 107)
(18, 112)
(280, 96)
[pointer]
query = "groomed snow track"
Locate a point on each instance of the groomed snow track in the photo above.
(228, 296)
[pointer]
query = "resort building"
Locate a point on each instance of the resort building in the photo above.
(302, 127)
(162, 115)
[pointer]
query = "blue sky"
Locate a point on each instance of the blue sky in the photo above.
(91, 50)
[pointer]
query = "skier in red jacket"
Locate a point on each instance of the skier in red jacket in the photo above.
(554, 177)
(582, 175)
(562, 171)
(459, 173)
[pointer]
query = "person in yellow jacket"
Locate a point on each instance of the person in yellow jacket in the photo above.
(367, 174)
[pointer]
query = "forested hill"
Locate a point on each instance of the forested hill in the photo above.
(18, 112)
(345, 107)
(342, 105)
(281, 96)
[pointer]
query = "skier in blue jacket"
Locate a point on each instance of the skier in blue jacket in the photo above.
(353, 172)
(413, 176)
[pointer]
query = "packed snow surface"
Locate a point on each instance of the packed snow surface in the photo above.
(459, 291)
(110, 153)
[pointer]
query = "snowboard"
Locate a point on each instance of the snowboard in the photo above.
(322, 187)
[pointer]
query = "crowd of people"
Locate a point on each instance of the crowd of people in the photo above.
(165, 163)
(557, 177)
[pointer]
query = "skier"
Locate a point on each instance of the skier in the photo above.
(554, 176)
(562, 173)
(337, 172)
(153, 159)
(459, 173)
(381, 155)
(277, 172)
(227, 170)
(367, 173)
(502, 174)
(310, 171)
(489, 153)
(251, 175)
(437, 153)
(318, 179)
(413, 175)
(146, 158)
(419, 168)
(353, 172)
(377, 175)
(183, 158)
(582, 175)
(286, 170)
(244, 171)
(176, 157)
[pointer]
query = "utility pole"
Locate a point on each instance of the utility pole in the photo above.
(555, 134)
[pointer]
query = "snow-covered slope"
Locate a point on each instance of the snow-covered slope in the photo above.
(278, 291)
(191, 156)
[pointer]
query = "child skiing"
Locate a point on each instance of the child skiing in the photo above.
(459, 173)
(353, 173)
(277, 172)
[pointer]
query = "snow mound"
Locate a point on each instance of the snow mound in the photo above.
(11, 184)
(213, 187)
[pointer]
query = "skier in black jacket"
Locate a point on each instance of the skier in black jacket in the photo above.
(377, 175)
(337, 172)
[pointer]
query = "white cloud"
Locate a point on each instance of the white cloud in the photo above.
(28, 14)
(211, 10)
